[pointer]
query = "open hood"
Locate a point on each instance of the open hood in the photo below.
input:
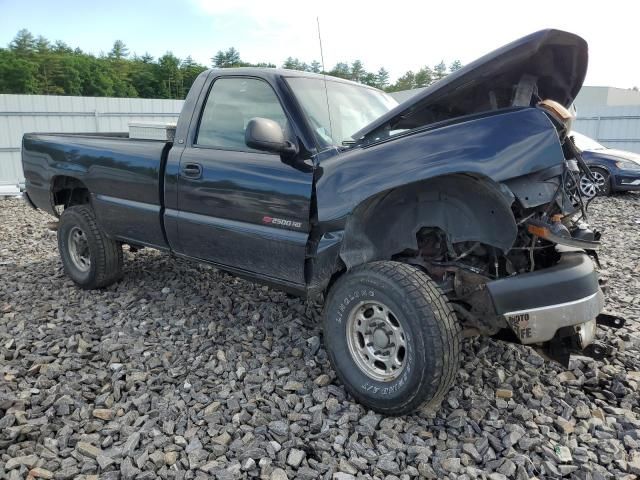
(549, 64)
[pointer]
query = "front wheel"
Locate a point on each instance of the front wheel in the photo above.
(89, 257)
(392, 337)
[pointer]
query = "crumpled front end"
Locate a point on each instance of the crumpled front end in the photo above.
(477, 183)
(543, 290)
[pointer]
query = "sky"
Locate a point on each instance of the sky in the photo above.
(399, 36)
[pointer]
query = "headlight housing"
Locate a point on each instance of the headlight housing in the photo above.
(563, 116)
(627, 165)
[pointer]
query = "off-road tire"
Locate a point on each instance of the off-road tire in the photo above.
(105, 254)
(433, 336)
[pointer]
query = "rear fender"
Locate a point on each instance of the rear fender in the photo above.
(68, 191)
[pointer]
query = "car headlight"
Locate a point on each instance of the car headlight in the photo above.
(558, 112)
(627, 165)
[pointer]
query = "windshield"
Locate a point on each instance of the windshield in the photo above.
(585, 143)
(352, 107)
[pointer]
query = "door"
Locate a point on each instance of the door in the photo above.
(240, 207)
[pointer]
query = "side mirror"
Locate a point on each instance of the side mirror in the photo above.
(267, 135)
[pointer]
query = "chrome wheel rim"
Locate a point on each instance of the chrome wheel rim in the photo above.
(376, 341)
(591, 188)
(79, 249)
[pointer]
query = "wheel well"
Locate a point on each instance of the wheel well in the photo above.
(467, 207)
(68, 191)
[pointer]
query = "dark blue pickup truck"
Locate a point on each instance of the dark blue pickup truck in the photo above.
(457, 212)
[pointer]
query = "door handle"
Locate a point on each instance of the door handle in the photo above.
(192, 170)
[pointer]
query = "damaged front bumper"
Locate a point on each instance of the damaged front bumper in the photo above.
(539, 325)
(563, 299)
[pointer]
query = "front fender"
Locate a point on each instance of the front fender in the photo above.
(498, 146)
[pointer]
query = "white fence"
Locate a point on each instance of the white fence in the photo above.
(20, 114)
(614, 127)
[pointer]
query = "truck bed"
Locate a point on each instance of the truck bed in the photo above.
(124, 176)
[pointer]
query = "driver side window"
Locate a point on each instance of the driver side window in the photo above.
(231, 103)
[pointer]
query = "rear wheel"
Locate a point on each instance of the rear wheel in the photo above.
(600, 185)
(392, 337)
(89, 257)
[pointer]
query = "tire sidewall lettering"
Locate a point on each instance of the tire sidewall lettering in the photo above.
(372, 386)
(357, 295)
(369, 289)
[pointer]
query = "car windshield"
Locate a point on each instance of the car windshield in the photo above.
(352, 107)
(585, 143)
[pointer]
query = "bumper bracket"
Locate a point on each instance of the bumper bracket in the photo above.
(608, 320)
(596, 350)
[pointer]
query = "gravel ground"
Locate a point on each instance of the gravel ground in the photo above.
(181, 371)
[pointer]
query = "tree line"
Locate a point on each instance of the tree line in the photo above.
(35, 65)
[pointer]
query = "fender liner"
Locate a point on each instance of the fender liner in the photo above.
(467, 207)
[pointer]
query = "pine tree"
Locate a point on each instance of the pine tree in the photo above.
(405, 82)
(370, 79)
(232, 57)
(439, 71)
(42, 45)
(171, 81)
(119, 50)
(190, 71)
(455, 65)
(60, 47)
(228, 59)
(295, 64)
(382, 78)
(424, 77)
(315, 67)
(23, 43)
(357, 71)
(341, 70)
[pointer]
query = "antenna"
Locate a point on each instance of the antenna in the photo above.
(324, 74)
